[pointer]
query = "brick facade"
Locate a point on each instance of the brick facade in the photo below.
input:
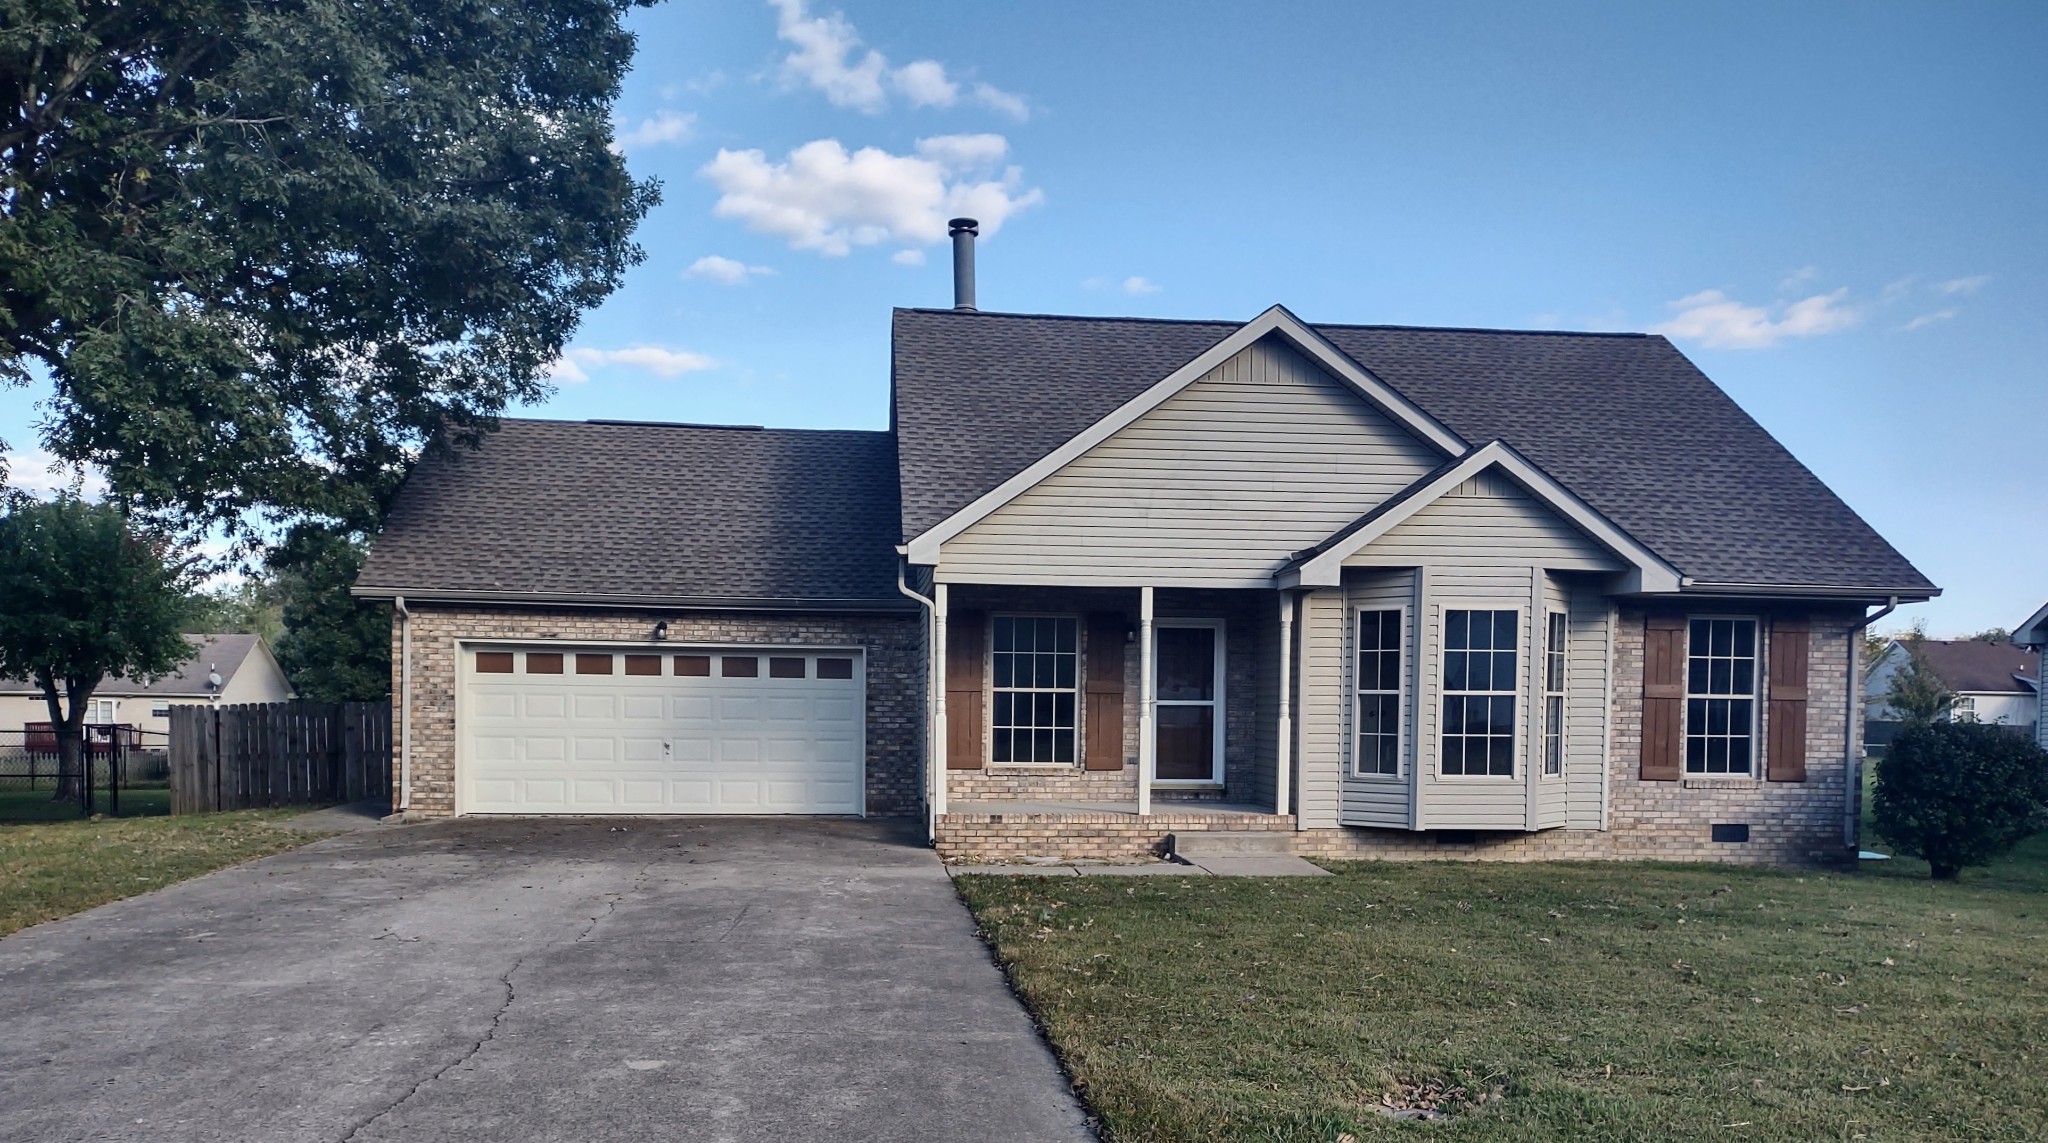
(895, 679)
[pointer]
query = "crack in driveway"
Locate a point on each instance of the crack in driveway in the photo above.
(490, 1033)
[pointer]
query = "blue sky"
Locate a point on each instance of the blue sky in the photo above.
(1840, 211)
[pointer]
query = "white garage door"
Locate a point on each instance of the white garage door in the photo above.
(771, 730)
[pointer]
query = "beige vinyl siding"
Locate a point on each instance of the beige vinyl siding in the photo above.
(1265, 455)
(1589, 684)
(1323, 703)
(1486, 519)
(1381, 801)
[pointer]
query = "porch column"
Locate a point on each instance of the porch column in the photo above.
(1284, 755)
(1146, 691)
(938, 685)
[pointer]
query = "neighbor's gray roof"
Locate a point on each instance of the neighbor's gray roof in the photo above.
(574, 511)
(225, 653)
(1973, 665)
(1623, 420)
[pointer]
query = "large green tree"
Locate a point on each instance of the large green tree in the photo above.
(86, 596)
(336, 648)
(266, 250)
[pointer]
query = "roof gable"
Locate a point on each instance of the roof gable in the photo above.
(1275, 322)
(1323, 565)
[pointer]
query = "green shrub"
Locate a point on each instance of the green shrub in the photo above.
(1960, 794)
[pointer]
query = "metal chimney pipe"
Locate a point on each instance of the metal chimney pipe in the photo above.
(963, 231)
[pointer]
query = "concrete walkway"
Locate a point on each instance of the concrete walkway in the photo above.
(573, 980)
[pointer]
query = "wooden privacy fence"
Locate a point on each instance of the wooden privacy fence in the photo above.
(278, 754)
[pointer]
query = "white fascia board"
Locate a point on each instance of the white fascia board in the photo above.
(924, 549)
(1648, 572)
(2034, 632)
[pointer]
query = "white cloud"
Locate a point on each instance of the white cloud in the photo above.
(1798, 278)
(724, 271)
(1925, 320)
(1011, 105)
(924, 83)
(665, 127)
(41, 474)
(1137, 285)
(574, 365)
(1964, 285)
(822, 198)
(908, 257)
(828, 56)
(1718, 321)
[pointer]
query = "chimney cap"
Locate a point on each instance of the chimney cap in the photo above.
(964, 225)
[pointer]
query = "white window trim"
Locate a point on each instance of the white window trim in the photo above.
(1757, 682)
(1219, 702)
(1518, 757)
(1563, 694)
(989, 688)
(1405, 735)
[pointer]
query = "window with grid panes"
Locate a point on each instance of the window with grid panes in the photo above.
(1480, 650)
(1378, 733)
(1553, 695)
(1034, 663)
(1720, 696)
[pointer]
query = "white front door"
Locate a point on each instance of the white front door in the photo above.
(1187, 672)
(597, 730)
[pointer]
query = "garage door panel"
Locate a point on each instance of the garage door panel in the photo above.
(779, 741)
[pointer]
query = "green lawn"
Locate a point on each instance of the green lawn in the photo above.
(50, 870)
(38, 806)
(1636, 1002)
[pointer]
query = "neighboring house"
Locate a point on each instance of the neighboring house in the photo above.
(1993, 682)
(248, 673)
(2034, 634)
(1379, 591)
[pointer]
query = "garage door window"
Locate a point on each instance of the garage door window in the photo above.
(693, 666)
(780, 667)
(739, 666)
(643, 664)
(494, 662)
(593, 664)
(835, 668)
(544, 663)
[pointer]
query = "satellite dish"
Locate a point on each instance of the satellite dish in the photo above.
(213, 679)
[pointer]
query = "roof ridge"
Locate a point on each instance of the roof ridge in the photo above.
(1318, 325)
(614, 422)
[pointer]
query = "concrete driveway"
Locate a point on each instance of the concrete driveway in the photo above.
(581, 980)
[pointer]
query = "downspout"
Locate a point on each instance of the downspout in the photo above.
(1283, 769)
(1852, 774)
(404, 705)
(931, 820)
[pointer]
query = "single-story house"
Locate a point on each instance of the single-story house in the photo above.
(1378, 590)
(2034, 634)
(222, 669)
(1993, 682)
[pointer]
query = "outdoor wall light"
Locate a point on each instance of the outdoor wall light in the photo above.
(661, 630)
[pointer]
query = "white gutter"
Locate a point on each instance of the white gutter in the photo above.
(1852, 773)
(933, 780)
(404, 704)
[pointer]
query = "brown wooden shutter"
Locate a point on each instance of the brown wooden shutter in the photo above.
(1663, 698)
(1785, 716)
(1104, 746)
(966, 647)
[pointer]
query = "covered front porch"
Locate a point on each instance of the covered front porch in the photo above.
(1099, 722)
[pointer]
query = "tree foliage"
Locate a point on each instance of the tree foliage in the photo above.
(1960, 794)
(268, 249)
(1916, 694)
(335, 648)
(87, 597)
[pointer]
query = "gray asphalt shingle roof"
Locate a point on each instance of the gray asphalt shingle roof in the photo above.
(225, 653)
(1625, 421)
(571, 510)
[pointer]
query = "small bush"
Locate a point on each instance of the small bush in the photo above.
(1960, 794)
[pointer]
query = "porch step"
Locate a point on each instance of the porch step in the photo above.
(1234, 843)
